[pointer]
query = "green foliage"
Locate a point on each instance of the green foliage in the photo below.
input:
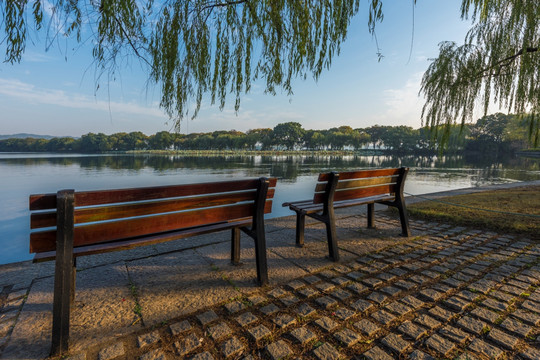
(499, 62)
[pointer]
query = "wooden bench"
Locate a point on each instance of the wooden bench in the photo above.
(70, 224)
(338, 190)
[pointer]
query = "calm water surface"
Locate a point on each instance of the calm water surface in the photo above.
(25, 174)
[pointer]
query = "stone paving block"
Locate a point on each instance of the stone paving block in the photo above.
(246, 319)
(420, 355)
(391, 290)
(457, 303)
(384, 317)
(231, 347)
(82, 356)
(431, 295)
(527, 317)
(441, 314)
(412, 330)
(326, 302)
(502, 296)
(485, 314)
(376, 353)
(307, 292)
(362, 305)
(515, 326)
(440, 345)
(341, 294)
(344, 314)
(407, 285)
(347, 337)
(277, 293)
(340, 280)
(303, 335)
(148, 339)
(207, 317)
(312, 279)
(372, 282)
(325, 286)
(468, 295)
(531, 306)
(486, 349)
(326, 352)
(269, 309)
(289, 300)
(259, 332)
(398, 308)
(326, 323)
(454, 334)
(179, 327)
(357, 288)
(284, 320)
(355, 275)
(256, 299)
(377, 297)
(495, 304)
(502, 338)
(156, 354)
(472, 325)
(367, 327)
(530, 353)
(305, 310)
(278, 350)
(188, 344)
(412, 302)
(296, 284)
(202, 356)
(234, 307)
(396, 343)
(111, 352)
(427, 321)
(219, 331)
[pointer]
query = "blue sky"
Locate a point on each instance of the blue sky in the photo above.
(47, 94)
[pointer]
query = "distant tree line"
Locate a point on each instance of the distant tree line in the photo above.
(495, 134)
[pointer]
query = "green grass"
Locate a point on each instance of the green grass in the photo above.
(502, 215)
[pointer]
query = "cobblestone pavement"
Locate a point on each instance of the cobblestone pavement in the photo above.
(446, 293)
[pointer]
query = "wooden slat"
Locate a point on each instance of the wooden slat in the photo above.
(360, 174)
(102, 232)
(359, 183)
(89, 198)
(42, 202)
(357, 193)
(92, 214)
(147, 240)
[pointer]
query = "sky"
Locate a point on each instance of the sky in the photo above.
(53, 92)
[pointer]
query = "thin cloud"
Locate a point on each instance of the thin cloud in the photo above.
(32, 94)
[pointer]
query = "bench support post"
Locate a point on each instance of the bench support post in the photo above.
(300, 226)
(235, 246)
(329, 217)
(400, 204)
(258, 231)
(371, 216)
(64, 277)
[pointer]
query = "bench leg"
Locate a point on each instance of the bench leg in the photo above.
(300, 226)
(260, 257)
(333, 253)
(404, 218)
(235, 246)
(371, 216)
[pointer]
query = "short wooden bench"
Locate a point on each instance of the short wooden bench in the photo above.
(338, 190)
(70, 224)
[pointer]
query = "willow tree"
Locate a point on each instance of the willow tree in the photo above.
(499, 63)
(195, 49)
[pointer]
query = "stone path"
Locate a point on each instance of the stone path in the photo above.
(447, 292)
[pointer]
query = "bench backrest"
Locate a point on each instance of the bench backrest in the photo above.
(109, 215)
(361, 184)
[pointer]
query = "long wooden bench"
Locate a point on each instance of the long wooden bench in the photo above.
(336, 190)
(70, 224)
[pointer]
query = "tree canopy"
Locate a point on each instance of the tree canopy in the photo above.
(217, 48)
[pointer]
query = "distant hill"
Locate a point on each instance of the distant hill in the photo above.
(24, 136)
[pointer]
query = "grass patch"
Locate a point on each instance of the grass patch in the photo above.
(502, 208)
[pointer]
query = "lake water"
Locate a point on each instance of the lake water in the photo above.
(25, 174)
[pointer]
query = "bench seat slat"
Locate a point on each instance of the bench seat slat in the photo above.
(148, 240)
(89, 198)
(360, 174)
(356, 193)
(92, 214)
(106, 231)
(310, 207)
(355, 183)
